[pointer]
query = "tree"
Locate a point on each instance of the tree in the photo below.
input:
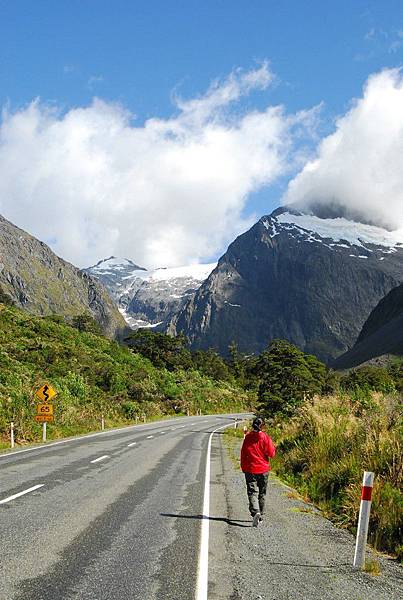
(210, 363)
(161, 349)
(370, 377)
(87, 323)
(287, 378)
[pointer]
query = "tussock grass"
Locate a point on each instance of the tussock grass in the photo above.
(324, 449)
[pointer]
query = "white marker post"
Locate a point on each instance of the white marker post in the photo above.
(12, 434)
(102, 423)
(44, 431)
(363, 520)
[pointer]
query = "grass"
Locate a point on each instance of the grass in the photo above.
(325, 448)
(372, 567)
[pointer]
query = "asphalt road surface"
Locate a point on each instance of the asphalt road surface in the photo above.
(105, 522)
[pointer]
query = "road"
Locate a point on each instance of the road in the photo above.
(105, 523)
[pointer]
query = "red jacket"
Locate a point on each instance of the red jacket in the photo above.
(256, 450)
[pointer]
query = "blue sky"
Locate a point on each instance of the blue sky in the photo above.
(139, 54)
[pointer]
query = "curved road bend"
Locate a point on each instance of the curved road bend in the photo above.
(105, 523)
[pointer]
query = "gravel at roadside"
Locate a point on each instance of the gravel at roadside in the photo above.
(295, 554)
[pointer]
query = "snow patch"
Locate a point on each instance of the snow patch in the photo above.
(341, 229)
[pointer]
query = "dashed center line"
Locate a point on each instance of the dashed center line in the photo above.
(100, 458)
(182, 426)
(14, 496)
(132, 444)
(161, 432)
(149, 437)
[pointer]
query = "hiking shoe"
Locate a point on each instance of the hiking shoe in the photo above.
(256, 520)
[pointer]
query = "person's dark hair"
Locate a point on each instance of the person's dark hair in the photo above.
(257, 423)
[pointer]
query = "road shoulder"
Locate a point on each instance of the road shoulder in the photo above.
(296, 554)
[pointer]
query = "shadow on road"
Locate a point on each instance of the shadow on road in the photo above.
(232, 522)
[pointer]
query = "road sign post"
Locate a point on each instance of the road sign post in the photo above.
(44, 411)
(363, 519)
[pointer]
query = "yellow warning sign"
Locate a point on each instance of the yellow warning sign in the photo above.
(44, 409)
(45, 393)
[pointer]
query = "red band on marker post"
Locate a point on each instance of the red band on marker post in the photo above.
(366, 493)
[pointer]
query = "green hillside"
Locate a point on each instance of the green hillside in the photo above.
(92, 376)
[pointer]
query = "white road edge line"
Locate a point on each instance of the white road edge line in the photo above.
(14, 496)
(100, 458)
(132, 444)
(202, 575)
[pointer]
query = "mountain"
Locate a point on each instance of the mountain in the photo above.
(40, 282)
(382, 333)
(149, 298)
(116, 274)
(300, 277)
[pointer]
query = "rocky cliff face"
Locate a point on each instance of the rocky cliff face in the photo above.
(306, 279)
(382, 333)
(37, 280)
(149, 298)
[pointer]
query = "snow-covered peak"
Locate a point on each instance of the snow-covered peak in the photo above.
(198, 272)
(340, 230)
(114, 264)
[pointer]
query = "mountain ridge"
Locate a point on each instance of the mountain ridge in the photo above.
(294, 276)
(381, 335)
(36, 279)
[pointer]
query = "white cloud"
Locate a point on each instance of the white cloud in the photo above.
(166, 192)
(358, 169)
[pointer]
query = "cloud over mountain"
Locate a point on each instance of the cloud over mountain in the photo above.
(92, 182)
(358, 170)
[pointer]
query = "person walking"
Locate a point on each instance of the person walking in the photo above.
(257, 449)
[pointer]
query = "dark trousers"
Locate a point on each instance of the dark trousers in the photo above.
(256, 487)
